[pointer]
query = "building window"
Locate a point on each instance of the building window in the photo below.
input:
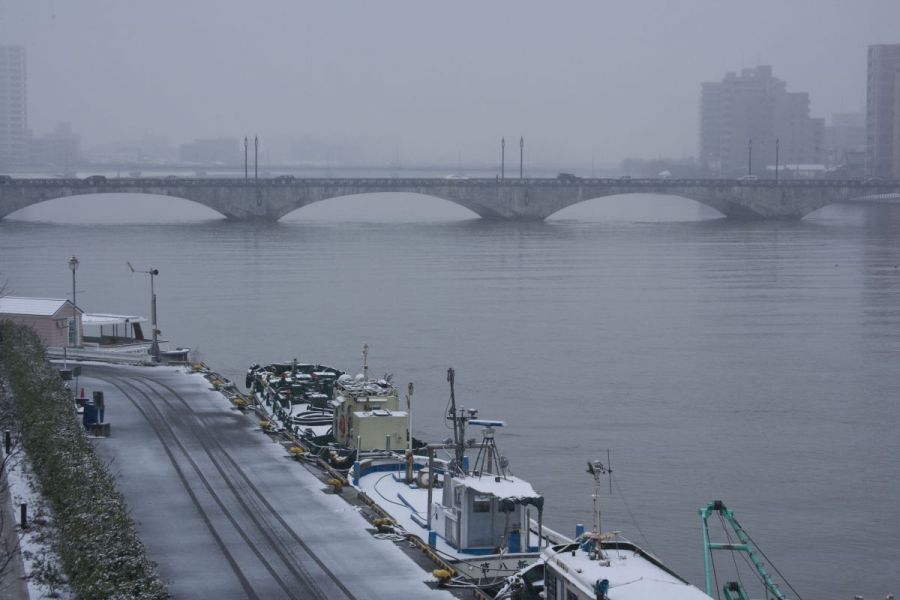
(481, 503)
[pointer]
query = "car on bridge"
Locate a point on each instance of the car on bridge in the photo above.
(94, 179)
(567, 177)
(5, 179)
(748, 178)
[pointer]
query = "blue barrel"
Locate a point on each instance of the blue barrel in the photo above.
(89, 416)
(432, 538)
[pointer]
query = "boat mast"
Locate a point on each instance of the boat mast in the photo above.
(597, 468)
(458, 425)
(409, 433)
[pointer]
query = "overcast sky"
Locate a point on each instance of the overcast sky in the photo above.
(431, 81)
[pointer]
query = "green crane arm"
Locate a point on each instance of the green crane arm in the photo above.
(746, 546)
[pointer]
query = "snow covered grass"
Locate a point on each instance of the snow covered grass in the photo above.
(43, 567)
(101, 553)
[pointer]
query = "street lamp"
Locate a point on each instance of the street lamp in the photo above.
(750, 156)
(777, 148)
(154, 349)
(73, 266)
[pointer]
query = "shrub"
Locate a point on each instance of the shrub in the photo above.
(98, 544)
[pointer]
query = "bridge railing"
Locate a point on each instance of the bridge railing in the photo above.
(387, 182)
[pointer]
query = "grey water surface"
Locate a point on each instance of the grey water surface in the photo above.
(754, 363)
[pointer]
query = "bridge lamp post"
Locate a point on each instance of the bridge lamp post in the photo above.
(521, 157)
(750, 156)
(73, 266)
(502, 158)
(777, 148)
(154, 348)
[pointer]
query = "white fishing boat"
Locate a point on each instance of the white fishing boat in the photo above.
(598, 566)
(472, 513)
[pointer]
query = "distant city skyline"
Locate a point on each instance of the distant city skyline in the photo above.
(582, 82)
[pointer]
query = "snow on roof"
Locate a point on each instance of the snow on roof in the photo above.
(510, 487)
(40, 307)
(630, 575)
(97, 319)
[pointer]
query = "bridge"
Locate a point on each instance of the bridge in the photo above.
(510, 199)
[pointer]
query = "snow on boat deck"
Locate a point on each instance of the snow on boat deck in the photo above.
(630, 575)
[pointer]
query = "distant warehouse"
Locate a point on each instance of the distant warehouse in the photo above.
(51, 318)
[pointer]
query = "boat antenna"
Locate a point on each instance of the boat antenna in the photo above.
(458, 435)
(366, 361)
(597, 468)
(609, 469)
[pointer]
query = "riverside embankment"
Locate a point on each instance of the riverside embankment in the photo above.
(96, 541)
(224, 510)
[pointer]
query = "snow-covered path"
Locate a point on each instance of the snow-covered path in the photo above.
(223, 510)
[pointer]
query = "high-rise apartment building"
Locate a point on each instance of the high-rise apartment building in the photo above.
(742, 116)
(883, 111)
(845, 135)
(13, 108)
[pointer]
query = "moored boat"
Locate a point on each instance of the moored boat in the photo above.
(598, 566)
(334, 414)
(472, 512)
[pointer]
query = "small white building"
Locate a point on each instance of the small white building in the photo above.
(51, 318)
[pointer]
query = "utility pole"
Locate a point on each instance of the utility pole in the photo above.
(73, 266)
(502, 157)
(245, 159)
(256, 158)
(777, 147)
(154, 348)
(750, 156)
(521, 157)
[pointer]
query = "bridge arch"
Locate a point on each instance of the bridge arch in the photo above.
(642, 206)
(367, 206)
(115, 207)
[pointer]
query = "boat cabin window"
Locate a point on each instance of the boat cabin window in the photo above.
(481, 503)
(550, 585)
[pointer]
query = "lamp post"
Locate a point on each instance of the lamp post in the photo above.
(521, 157)
(777, 148)
(750, 156)
(502, 158)
(154, 348)
(73, 266)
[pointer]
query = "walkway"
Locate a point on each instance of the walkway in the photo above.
(224, 511)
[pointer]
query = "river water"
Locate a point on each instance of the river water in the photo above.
(756, 363)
